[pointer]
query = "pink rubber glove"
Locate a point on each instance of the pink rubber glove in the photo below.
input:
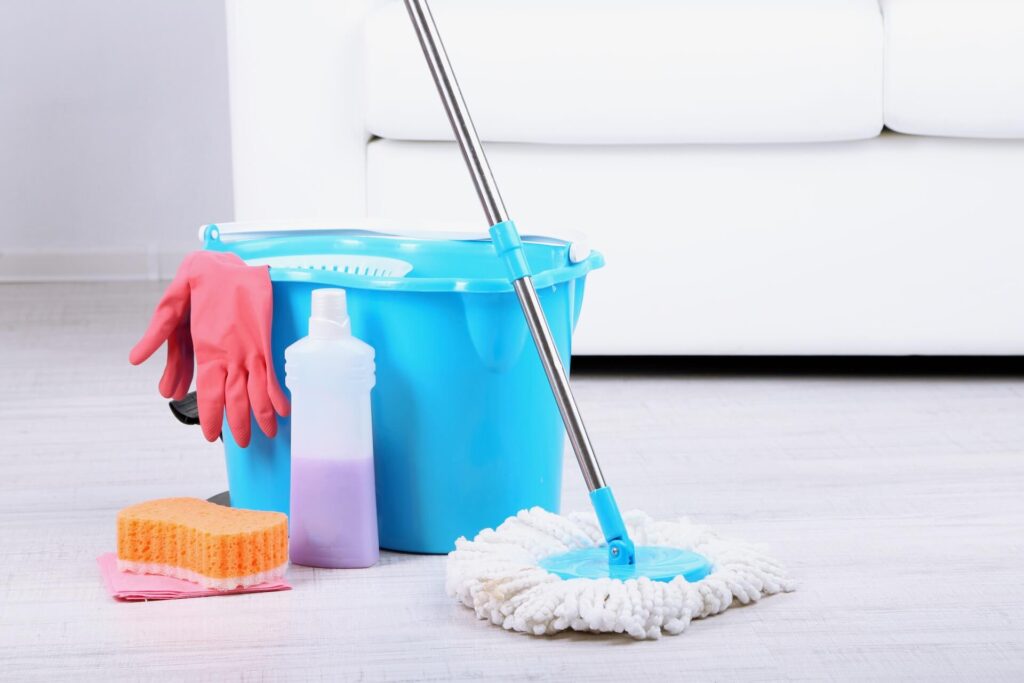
(216, 313)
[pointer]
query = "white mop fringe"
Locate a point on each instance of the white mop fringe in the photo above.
(497, 575)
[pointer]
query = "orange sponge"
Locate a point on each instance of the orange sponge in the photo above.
(209, 544)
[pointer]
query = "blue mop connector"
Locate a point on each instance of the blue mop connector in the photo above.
(509, 246)
(620, 547)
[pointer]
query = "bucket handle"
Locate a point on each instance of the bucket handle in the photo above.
(579, 247)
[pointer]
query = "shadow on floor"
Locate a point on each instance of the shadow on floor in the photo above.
(899, 366)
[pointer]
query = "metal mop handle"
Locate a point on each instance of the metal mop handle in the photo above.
(509, 246)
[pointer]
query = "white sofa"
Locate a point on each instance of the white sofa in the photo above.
(783, 177)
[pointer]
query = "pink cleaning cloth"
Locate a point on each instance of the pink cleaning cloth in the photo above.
(139, 587)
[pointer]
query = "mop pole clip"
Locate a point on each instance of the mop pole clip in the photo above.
(509, 246)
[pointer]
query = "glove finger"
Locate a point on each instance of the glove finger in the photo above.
(237, 404)
(169, 313)
(172, 370)
(277, 396)
(210, 396)
(262, 407)
(186, 363)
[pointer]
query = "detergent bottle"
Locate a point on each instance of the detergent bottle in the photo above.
(333, 520)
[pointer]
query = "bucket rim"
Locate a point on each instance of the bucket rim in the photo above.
(288, 242)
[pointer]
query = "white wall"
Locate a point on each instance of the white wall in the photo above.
(114, 135)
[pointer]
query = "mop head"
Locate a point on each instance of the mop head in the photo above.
(497, 575)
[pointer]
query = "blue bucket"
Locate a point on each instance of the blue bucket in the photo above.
(465, 429)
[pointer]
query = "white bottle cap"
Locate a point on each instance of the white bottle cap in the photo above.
(328, 315)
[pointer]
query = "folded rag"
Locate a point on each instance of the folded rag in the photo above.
(135, 587)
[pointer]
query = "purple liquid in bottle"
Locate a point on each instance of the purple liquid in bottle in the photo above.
(334, 513)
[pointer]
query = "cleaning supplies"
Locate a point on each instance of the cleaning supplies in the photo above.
(619, 566)
(216, 315)
(333, 505)
(215, 546)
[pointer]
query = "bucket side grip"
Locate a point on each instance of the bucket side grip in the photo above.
(577, 287)
(496, 328)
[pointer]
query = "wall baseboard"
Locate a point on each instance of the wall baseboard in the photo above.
(89, 265)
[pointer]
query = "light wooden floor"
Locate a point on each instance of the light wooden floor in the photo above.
(898, 503)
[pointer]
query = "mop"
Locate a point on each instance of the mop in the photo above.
(603, 572)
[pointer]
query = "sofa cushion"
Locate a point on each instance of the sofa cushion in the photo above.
(637, 71)
(895, 245)
(955, 67)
